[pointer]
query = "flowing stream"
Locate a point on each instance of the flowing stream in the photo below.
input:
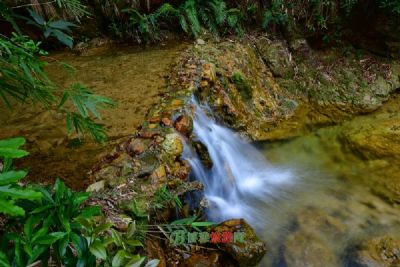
(240, 178)
(309, 198)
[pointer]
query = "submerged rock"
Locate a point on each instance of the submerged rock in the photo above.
(304, 249)
(377, 252)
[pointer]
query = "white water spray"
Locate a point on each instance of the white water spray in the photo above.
(240, 176)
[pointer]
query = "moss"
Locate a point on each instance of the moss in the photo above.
(242, 84)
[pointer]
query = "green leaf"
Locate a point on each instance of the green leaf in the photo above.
(12, 142)
(3, 260)
(88, 212)
(116, 237)
(62, 245)
(50, 238)
(8, 207)
(84, 222)
(118, 259)
(61, 25)
(136, 262)
(134, 243)
(80, 243)
(12, 153)
(152, 263)
(102, 227)
(38, 19)
(98, 250)
(20, 193)
(11, 177)
(63, 38)
(202, 224)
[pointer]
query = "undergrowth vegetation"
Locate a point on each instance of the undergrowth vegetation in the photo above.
(52, 225)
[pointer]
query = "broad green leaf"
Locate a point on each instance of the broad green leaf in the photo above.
(84, 222)
(118, 259)
(116, 237)
(101, 228)
(49, 239)
(12, 153)
(134, 243)
(15, 142)
(3, 260)
(61, 24)
(38, 19)
(152, 263)
(98, 250)
(63, 38)
(11, 177)
(37, 252)
(88, 212)
(136, 262)
(62, 245)
(20, 193)
(202, 224)
(80, 243)
(8, 207)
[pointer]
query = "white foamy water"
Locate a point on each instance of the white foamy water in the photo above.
(240, 176)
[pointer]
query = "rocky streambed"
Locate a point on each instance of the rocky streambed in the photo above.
(319, 113)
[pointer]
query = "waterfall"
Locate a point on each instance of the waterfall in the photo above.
(240, 176)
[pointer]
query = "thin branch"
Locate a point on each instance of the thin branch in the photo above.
(33, 4)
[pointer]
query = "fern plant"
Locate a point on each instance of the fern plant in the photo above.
(22, 78)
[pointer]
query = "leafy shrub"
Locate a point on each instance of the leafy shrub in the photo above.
(10, 190)
(57, 29)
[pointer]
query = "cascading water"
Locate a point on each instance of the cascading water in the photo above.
(240, 176)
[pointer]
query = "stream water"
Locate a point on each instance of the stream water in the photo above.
(133, 77)
(309, 198)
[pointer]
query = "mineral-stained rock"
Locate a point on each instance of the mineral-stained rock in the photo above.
(173, 145)
(136, 147)
(245, 254)
(377, 252)
(184, 124)
(374, 138)
(209, 73)
(202, 260)
(96, 187)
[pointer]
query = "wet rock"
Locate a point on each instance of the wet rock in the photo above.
(166, 121)
(173, 145)
(374, 138)
(200, 42)
(96, 187)
(315, 220)
(248, 253)
(184, 124)
(204, 156)
(136, 147)
(107, 173)
(277, 57)
(146, 165)
(202, 260)
(377, 252)
(159, 176)
(209, 73)
(304, 249)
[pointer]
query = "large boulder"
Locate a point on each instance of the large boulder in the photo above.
(247, 253)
